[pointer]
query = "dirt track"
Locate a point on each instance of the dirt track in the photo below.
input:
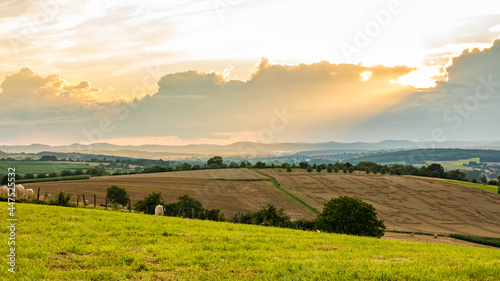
(404, 203)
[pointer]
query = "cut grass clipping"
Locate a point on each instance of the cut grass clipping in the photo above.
(58, 243)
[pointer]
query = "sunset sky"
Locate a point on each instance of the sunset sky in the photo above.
(223, 71)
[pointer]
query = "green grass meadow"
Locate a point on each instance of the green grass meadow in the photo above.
(35, 167)
(58, 243)
(491, 188)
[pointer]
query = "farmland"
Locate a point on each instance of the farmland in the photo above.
(60, 243)
(231, 190)
(35, 167)
(405, 203)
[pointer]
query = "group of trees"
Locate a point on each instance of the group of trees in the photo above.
(346, 215)
(185, 207)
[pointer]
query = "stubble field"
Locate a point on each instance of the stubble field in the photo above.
(405, 203)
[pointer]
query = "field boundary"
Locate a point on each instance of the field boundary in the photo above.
(278, 186)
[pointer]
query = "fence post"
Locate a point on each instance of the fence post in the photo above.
(106, 206)
(94, 201)
(238, 216)
(38, 195)
(77, 200)
(84, 203)
(265, 217)
(129, 210)
(45, 197)
(192, 213)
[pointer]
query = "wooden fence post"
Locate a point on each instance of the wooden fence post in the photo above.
(94, 201)
(129, 210)
(106, 206)
(45, 197)
(192, 213)
(38, 195)
(239, 217)
(265, 217)
(84, 203)
(77, 200)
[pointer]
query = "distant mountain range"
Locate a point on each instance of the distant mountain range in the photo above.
(244, 148)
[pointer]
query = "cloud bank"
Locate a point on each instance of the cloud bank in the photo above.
(279, 103)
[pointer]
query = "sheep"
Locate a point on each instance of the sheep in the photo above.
(4, 191)
(159, 211)
(19, 191)
(29, 193)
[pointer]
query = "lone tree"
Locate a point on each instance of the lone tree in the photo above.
(117, 194)
(349, 215)
(149, 203)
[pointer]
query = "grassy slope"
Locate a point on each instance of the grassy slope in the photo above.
(491, 188)
(36, 167)
(58, 243)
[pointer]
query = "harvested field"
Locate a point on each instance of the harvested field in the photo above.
(404, 203)
(246, 191)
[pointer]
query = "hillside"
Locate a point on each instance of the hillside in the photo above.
(412, 204)
(405, 203)
(57, 243)
(231, 190)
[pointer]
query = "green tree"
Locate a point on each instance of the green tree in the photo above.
(367, 171)
(53, 175)
(29, 176)
(149, 203)
(233, 165)
(309, 169)
(260, 165)
(5, 179)
(65, 173)
(329, 169)
(351, 170)
(383, 171)
(336, 169)
(78, 172)
(318, 169)
(217, 160)
(41, 176)
(349, 215)
(273, 216)
(484, 179)
(288, 169)
(185, 206)
(117, 194)
(186, 166)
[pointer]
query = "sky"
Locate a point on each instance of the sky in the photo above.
(224, 71)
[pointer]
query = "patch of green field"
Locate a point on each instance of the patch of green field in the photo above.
(491, 188)
(57, 243)
(77, 177)
(453, 165)
(490, 241)
(36, 167)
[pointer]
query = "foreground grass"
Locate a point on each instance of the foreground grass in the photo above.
(57, 243)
